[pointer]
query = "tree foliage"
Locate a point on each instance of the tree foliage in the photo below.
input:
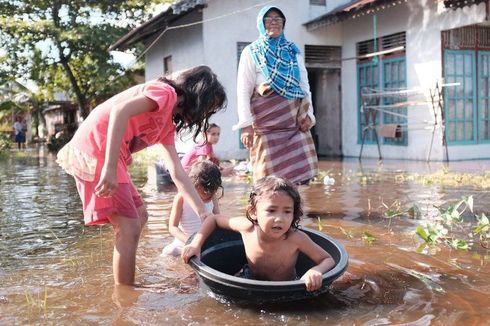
(62, 45)
(16, 97)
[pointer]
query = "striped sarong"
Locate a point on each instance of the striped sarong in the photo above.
(279, 147)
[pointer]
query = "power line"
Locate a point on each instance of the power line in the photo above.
(197, 23)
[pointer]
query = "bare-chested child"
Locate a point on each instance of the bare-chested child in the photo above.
(270, 235)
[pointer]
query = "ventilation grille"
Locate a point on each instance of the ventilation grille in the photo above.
(469, 37)
(383, 43)
(319, 55)
(365, 47)
(392, 41)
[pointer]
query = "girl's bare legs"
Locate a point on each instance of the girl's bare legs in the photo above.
(143, 214)
(127, 233)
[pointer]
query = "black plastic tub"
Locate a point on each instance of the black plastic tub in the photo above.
(223, 255)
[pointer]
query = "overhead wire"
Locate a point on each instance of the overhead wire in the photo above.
(198, 23)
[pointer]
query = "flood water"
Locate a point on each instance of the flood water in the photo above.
(53, 270)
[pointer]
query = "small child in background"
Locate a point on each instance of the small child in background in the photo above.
(270, 235)
(183, 222)
(204, 151)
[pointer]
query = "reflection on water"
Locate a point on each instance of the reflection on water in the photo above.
(54, 270)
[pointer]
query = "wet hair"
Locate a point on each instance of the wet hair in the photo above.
(269, 185)
(279, 12)
(202, 96)
(206, 175)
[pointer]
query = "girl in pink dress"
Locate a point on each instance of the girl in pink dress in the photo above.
(100, 151)
(203, 151)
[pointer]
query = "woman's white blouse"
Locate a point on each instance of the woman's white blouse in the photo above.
(249, 77)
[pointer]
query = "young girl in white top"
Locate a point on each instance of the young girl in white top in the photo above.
(183, 221)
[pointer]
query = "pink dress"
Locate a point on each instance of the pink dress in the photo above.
(83, 157)
(198, 150)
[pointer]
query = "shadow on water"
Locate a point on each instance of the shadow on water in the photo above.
(53, 270)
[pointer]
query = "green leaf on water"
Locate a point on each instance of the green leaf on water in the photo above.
(368, 237)
(420, 249)
(414, 211)
(430, 235)
(421, 233)
(392, 213)
(459, 244)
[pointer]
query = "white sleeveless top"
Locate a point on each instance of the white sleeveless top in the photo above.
(189, 223)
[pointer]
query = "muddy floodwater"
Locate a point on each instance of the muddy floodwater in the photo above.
(55, 271)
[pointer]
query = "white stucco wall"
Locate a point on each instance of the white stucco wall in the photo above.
(185, 45)
(423, 21)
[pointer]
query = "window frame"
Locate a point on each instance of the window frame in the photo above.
(449, 97)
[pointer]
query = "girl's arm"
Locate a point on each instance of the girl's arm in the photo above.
(238, 224)
(194, 248)
(305, 86)
(246, 79)
(182, 181)
(118, 122)
(216, 206)
(174, 220)
(324, 262)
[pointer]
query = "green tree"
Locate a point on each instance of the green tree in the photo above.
(62, 45)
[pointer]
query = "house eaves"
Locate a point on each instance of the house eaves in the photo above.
(157, 23)
(356, 8)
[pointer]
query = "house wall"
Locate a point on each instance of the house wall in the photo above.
(53, 117)
(185, 45)
(423, 22)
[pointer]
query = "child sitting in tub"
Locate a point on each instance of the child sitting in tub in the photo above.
(270, 235)
(183, 221)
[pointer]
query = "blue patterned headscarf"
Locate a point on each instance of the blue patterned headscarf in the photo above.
(276, 59)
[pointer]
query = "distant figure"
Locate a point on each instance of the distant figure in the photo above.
(183, 221)
(270, 235)
(275, 113)
(205, 151)
(99, 153)
(20, 132)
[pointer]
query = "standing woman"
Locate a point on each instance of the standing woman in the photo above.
(274, 104)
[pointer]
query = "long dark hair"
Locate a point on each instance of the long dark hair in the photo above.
(202, 96)
(267, 186)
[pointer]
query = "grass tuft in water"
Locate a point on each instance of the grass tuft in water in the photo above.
(37, 302)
